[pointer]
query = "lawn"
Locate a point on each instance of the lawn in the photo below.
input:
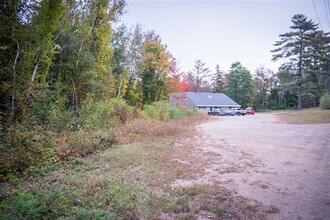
(306, 116)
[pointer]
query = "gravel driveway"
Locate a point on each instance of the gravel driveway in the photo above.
(285, 167)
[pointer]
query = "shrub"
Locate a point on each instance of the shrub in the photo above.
(164, 111)
(325, 101)
(24, 146)
(106, 114)
(49, 109)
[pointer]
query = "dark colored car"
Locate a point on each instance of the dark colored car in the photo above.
(250, 111)
(228, 113)
(215, 112)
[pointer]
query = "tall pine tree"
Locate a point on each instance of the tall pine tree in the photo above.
(197, 76)
(294, 46)
(217, 80)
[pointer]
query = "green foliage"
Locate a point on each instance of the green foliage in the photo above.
(305, 50)
(123, 199)
(112, 199)
(34, 205)
(86, 213)
(325, 101)
(265, 87)
(180, 205)
(239, 86)
(26, 146)
(155, 66)
(47, 107)
(64, 70)
(217, 80)
(106, 114)
(164, 111)
(197, 77)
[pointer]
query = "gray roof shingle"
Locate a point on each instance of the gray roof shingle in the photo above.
(211, 99)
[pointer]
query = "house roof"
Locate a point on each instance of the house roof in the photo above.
(211, 99)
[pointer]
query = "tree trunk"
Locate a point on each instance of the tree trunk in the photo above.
(12, 114)
(299, 96)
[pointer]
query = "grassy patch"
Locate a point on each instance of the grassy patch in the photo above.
(306, 116)
(127, 181)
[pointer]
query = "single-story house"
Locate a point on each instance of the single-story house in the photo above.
(203, 101)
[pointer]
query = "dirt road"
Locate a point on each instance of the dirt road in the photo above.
(283, 167)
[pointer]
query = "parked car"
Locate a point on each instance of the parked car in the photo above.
(215, 112)
(228, 113)
(238, 111)
(250, 111)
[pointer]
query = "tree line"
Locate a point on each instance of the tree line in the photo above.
(65, 55)
(302, 79)
(70, 73)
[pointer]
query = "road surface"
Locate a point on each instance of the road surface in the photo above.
(284, 167)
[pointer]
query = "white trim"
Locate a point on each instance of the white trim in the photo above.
(218, 105)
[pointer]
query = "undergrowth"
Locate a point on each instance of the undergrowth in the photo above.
(127, 181)
(57, 136)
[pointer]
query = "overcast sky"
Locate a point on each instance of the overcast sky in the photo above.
(222, 32)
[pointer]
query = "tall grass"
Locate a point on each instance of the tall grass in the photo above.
(96, 126)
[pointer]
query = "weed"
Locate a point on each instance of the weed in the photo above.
(13, 179)
(34, 205)
(220, 211)
(180, 205)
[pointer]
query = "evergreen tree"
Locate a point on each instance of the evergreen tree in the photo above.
(319, 69)
(294, 46)
(197, 76)
(217, 80)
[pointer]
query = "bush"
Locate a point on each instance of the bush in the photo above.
(25, 146)
(164, 111)
(106, 114)
(325, 101)
(48, 109)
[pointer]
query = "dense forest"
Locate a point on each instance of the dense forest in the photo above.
(71, 72)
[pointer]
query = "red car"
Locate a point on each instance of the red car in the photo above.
(250, 111)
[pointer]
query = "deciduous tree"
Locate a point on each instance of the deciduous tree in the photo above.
(155, 66)
(239, 86)
(264, 81)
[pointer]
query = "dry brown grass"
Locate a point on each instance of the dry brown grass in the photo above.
(306, 116)
(133, 181)
(143, 130)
